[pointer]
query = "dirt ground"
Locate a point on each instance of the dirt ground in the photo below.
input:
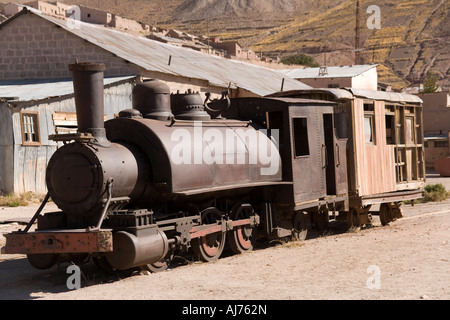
(409, 259)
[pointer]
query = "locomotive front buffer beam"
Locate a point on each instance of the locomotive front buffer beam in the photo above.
(64, 241)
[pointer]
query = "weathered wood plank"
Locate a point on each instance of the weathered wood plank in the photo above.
(6, 129)
(375, 165)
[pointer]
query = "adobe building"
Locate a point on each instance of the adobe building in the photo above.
(81, 13)
(436, 122)
(436, 118)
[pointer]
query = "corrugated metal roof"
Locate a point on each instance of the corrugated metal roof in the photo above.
(154, 56)
(333, 72)
(32, 90)
(351, 93)
(385, 95)
(336, 93)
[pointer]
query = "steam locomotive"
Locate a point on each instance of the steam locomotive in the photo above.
(176, 173)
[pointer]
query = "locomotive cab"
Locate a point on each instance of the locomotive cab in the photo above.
(312, 145)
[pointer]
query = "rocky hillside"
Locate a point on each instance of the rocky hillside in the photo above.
(413, 37)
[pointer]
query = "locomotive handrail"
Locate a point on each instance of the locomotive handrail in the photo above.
(223, 121)
(338, 155)
(71, 136)
(108, 201)
(36, 215)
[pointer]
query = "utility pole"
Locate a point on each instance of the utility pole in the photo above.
(323, 70)
(357, 35)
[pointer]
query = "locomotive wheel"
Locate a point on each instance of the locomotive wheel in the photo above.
(209, 248)
(386, 214)
(156, 267)
(159, 266)
(103, 265)
(241, 237)
(300, 227)
(42, 261)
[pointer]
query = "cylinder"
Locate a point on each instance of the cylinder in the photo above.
(132, 251)
(152, 99)
(89, 99)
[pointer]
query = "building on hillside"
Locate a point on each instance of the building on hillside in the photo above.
(357, 76)
(11, 9)
(187, 41)
(54, 9)
(81, 13)
(30, 111)
(39, 46)
(126, 24)
(384, 86)
(232, 49)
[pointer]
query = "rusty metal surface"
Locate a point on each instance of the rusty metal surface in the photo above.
(73, 241)
(89, 97)
(152, 99)
(156, 138)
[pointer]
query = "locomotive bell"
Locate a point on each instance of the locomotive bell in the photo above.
(152, 99)
(188, 106)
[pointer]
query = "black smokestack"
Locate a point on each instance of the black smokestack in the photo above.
(89, 101)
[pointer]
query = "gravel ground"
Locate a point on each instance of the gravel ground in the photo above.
(409, 259)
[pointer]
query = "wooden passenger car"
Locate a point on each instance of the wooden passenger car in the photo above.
(385, 150)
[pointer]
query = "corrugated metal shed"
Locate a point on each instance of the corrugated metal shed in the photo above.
(154, 56)
(33, 90)
(333, 72)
